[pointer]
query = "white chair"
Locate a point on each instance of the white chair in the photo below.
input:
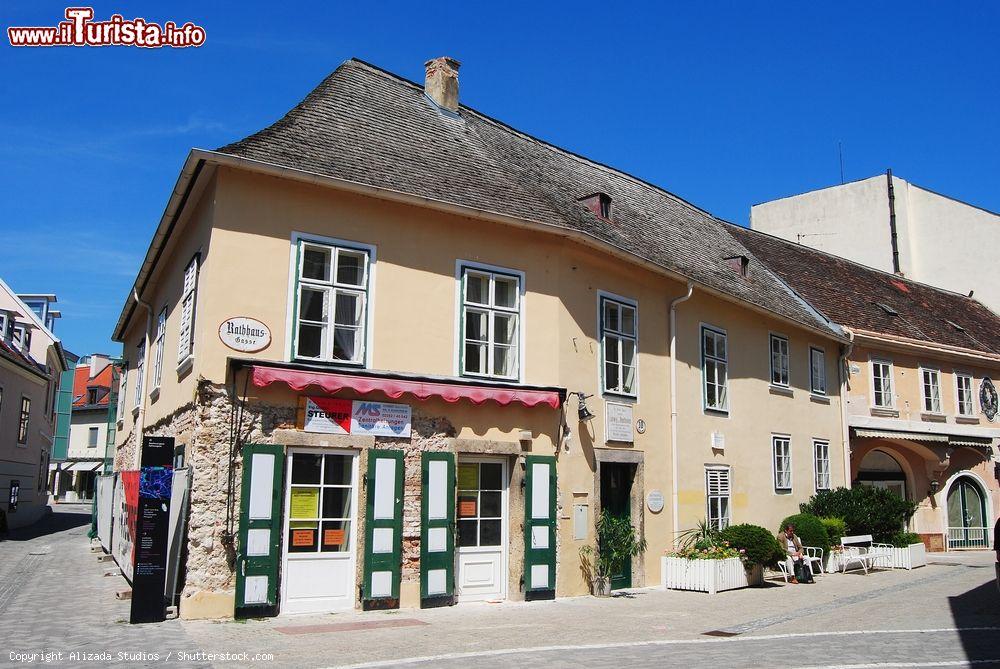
(813, 556)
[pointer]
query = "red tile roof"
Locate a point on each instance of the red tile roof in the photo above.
(853, 295)
(82, 381)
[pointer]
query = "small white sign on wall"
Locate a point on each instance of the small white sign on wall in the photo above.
(244, 334)
(618, 422)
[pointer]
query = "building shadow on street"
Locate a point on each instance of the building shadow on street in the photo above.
(975, 610)
(55, 521)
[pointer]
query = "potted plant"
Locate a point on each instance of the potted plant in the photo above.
(712, 561)
(908, 551)
(617, 541)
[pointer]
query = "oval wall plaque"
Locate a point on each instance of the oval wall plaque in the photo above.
(655, 501)
(244, 334)
(988, 399)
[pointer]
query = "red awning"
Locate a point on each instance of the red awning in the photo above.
(331, 382)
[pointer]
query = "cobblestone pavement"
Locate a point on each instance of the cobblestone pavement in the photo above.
(53, 597)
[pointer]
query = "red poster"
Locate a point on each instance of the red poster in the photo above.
(333, 537)
(130, 484)
(467, 508)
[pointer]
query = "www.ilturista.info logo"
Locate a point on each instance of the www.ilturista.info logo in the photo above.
(81, 30)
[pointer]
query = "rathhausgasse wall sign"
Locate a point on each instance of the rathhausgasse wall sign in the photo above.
(244, 334)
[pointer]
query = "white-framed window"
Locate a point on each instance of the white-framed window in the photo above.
(189, 291)
(331, 313)
(930, 386)
(781, 448)
(122, 387)
(140, 364)
(821, 466)
(619, 335)
(718, 492)
(882, 394)
(779, 360)
(490, 323)
(22, 423)
(964, 397)
(817, 371)
(92, 435)
(161, 330)
(715, 369)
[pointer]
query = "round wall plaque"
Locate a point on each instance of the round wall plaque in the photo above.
(654, 500)
(244, 334)
(640, 426)
(988, 398)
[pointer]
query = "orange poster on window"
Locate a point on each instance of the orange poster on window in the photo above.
(302, 537)
(467, 508)
(333, 537)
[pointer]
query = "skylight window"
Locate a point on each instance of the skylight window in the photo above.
(954, 325)
(887, 309)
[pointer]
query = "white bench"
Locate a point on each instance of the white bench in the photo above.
(864, 552)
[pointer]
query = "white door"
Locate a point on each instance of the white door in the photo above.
(321, 501)
(481, 556)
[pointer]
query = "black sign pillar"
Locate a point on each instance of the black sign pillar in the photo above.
(152, 519)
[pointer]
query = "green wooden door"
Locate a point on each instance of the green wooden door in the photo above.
(383, 529)
(437, 525)
(616, 494)
(259, 549)
(540, 526)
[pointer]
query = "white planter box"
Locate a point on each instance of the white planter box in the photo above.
(709, 576)
(911, 557)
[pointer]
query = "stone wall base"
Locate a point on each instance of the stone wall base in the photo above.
(934, 542)
(205, 605)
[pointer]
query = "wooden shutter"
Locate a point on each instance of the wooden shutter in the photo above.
(437, 525)
(259, 550)
(540, 524)
(185, 337)
(383, 528)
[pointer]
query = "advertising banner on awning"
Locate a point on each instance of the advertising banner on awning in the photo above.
(329, 415)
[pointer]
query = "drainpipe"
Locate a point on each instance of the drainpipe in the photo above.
(892, 222)
(845, 385)
(140, 419)
(673, 405)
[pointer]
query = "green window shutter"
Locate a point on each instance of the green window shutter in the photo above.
(437, 525)
(540, 524)
(64, 414)
(383, 528)
(259, 549)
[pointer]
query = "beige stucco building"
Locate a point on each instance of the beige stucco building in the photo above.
(31, 359)
(920, 403)
(410, 352)
(893, 225)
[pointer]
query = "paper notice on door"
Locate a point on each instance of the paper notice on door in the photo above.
(303, 537)
(333, 537)
(467, 508)
(468, 477)
(304, 503)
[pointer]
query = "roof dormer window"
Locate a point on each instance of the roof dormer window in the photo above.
(599, 203)
(740, 265)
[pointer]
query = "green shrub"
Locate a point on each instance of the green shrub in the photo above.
(866, 510)
(810, 530)
(757, 545)
(904, 539)
(836, 528)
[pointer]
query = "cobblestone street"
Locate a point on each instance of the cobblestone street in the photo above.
(54, 598)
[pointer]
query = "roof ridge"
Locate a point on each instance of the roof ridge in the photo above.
(891, 275)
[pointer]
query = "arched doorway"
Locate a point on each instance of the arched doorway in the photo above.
(881, 470)
(967, 516)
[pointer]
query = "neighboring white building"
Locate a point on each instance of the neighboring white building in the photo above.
(939, 240)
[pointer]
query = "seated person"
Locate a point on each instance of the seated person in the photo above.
(797, 566)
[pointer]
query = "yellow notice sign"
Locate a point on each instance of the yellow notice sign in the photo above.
(305, 503)
(468, 477)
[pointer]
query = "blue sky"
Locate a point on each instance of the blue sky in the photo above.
(725, 104)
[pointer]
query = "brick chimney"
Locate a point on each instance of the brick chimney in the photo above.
(441, 82)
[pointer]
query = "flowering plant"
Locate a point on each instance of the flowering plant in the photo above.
(699, 551)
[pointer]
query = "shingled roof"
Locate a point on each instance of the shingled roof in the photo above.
(854, 296)
(365, 125)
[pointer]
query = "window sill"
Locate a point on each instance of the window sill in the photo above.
(783, 491)
(819, 399)
(888, 412)
(612, 396)
(968, 420)
(933, 417)
(185, 365)
(154, 394)
(781, 390)
(135, 413)
(721, 413)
